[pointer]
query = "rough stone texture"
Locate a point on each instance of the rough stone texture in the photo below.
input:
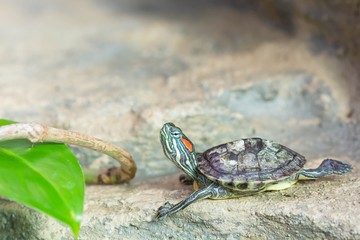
(119, 69)
(332, 26)
(333, 20)
(323, 209)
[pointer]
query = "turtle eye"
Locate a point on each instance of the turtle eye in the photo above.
(176, 134)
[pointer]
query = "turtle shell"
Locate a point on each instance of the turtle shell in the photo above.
(249, 163)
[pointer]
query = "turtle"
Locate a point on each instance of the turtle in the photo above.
(238, 168)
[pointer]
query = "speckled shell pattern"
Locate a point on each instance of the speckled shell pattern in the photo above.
(249, 163)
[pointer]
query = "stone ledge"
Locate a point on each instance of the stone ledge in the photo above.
(328, 208)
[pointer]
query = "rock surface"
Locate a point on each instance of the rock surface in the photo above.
(324, 209)
(119, 69)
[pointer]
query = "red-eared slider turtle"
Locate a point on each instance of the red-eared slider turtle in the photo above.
(238, 168)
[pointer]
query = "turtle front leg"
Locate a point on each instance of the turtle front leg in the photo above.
(207, 192)
(186, 180)
(327, 167)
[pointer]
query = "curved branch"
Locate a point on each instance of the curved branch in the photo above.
(37, 133)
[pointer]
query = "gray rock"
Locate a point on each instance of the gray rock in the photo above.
(324, 209)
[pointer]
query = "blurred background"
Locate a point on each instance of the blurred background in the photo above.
(221, 70)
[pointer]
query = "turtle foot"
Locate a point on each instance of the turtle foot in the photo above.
(186, 180)
(331, 166)
(164, 210)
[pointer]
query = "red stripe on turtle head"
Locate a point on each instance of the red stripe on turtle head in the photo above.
(187, 144)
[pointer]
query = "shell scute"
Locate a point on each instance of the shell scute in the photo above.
(251, 160)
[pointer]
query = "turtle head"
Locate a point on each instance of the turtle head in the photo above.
(178, 148)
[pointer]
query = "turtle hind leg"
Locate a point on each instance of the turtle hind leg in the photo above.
(327, 167)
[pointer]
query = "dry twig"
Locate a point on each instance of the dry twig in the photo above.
(37, 133)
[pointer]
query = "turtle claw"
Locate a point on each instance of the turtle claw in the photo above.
(164, 210)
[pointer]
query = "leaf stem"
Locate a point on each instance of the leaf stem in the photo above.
(37, 133)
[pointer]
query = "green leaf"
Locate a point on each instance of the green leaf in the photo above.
(5, 122)
(46, 177)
